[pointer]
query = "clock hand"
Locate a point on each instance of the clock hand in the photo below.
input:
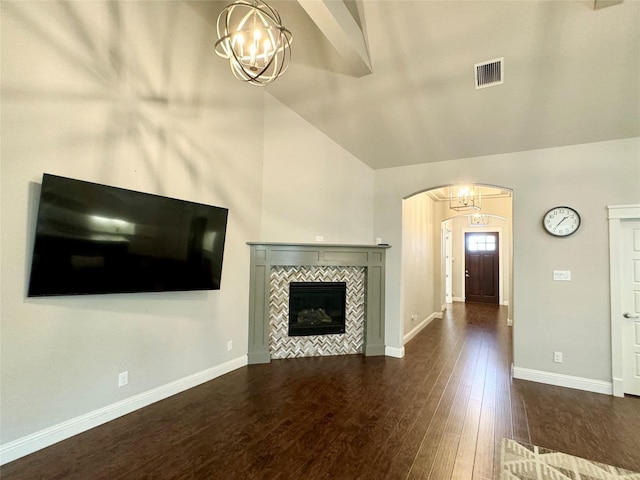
(561, 221)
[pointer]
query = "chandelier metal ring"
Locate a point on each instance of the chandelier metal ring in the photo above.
(251, 36)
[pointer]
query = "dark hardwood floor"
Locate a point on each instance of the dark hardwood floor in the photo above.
(439, 413)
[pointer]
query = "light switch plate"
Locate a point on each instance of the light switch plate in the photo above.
(562, 275)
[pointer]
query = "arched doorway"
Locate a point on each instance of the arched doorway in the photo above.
(433, 263)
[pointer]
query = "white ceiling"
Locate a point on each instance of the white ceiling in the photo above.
(572, 76)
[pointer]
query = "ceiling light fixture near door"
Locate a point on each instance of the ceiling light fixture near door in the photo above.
(252, 37)
(490, 73)
(463, 198)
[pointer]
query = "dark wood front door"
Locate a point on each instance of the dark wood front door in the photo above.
(482, 273)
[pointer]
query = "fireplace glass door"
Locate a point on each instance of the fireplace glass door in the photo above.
(317, 308)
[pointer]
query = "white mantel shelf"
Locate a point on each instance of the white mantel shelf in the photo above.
(265, 255)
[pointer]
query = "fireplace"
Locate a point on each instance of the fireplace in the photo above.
(274, 266)
(317, 308)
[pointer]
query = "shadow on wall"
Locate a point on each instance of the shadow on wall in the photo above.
(142, 87)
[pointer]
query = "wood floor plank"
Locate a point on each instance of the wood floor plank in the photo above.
(445, 457)
(449, 414)
(483, 464)
(397, 460)
(465, 457)
(440, 412)
(429, 424)
(521, 431)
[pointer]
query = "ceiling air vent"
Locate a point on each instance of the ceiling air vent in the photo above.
(489, 74)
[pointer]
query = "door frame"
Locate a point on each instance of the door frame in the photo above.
(447, 254)
(497, 230)
(617, 214)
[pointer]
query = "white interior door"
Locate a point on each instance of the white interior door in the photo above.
(631, 306)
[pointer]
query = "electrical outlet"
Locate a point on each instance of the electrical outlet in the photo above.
(414, 317)
(229, 345)
(557, 357)
(319, 238)
(123, 379)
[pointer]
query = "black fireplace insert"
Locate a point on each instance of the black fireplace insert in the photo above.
(317, 308)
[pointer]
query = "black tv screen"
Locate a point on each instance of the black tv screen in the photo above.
(93, 238)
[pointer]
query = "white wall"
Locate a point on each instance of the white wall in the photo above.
(419, 247)
(128, 94)
(572, 317)
(311, 186)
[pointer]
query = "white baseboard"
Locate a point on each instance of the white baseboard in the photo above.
(44, 438)
(560, 380)
(394, 352)
(458, 299)
(415, 330)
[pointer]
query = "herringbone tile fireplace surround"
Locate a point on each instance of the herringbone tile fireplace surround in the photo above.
(281, 345)
(275, 265)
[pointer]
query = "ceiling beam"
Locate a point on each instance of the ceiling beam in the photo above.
(598, 4)
(336, 22)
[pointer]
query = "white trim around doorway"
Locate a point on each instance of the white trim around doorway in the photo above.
(617, 214)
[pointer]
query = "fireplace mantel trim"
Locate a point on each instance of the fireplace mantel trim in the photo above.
(266, 255)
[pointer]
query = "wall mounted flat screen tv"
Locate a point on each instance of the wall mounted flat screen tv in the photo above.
(93, 238)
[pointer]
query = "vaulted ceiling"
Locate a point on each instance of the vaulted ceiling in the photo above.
(403, 92)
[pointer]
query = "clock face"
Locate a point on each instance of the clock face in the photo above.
(561, 221)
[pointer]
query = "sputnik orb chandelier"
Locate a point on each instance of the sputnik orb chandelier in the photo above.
(252, 37)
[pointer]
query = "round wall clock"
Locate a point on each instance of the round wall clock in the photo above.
(561, 221)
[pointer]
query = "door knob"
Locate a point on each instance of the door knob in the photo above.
(630, 315)
(466, 274)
